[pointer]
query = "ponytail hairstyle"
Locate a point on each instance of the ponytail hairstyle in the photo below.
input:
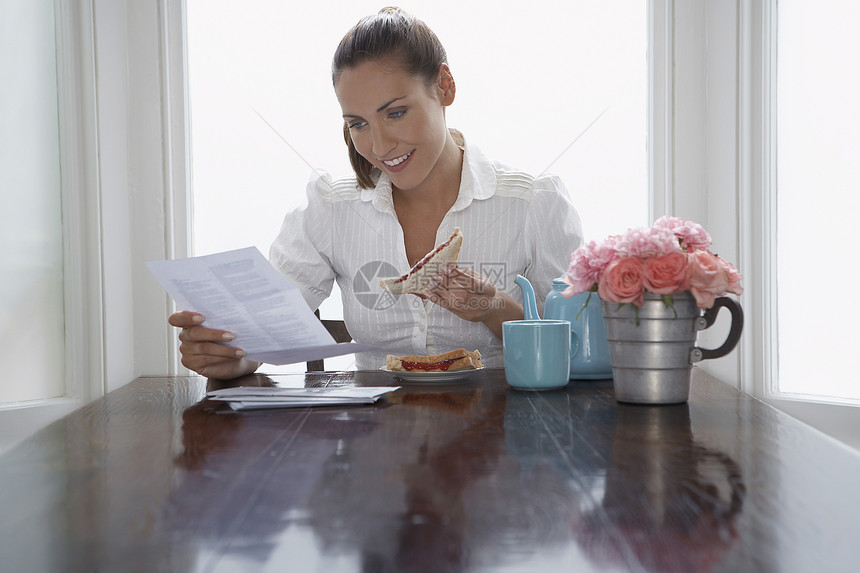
(391, 32)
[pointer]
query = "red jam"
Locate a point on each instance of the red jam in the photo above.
(444, 365)
(420, 264)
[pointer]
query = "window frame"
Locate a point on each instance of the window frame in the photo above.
(713, 159)
(123, 157)
(838, 418)
(82, 295)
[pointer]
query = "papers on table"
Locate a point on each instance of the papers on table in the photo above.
(252, 398)
(240, 291)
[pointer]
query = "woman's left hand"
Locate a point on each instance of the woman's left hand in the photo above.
(473, 297)
(464, 292)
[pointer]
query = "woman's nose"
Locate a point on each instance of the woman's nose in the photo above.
(383, 142)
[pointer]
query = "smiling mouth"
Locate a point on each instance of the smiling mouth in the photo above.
(398, 160)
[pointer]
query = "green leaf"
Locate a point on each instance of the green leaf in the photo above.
(669, 301)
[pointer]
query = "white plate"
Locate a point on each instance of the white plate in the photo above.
(433, 377)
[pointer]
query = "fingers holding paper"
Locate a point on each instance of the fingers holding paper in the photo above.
(203, 351)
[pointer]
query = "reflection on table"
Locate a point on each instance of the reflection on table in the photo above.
(467, 476)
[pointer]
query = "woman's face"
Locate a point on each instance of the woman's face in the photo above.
(396, 121)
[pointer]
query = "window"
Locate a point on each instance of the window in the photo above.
(31, 292)
(530, 83)
(817, 198)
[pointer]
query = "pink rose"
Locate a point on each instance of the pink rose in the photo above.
(691, 236)
(669, 222)
(647, 242)
(621, 282)
(666, 274)
(734, 277)
(708, 277)
(587, 263)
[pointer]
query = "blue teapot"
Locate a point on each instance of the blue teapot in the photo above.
(589, 348)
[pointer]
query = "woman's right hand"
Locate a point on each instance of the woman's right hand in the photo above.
(202, 353)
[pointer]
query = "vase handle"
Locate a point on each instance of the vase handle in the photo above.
(708, 319)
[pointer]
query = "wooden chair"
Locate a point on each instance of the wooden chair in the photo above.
(338, 331)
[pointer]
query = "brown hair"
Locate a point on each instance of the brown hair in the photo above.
(391, 32)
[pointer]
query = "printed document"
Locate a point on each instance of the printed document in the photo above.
(241, 292)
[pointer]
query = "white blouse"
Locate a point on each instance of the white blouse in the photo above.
(512, 223)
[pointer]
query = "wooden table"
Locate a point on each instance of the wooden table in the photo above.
(471, 476)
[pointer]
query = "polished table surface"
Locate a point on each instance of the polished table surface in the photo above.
(470, 476)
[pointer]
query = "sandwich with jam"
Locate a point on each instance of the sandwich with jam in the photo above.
(460, 359)
(417, 280)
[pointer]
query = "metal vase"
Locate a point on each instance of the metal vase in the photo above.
(653, 353)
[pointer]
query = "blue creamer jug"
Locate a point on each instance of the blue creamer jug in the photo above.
(589, 348)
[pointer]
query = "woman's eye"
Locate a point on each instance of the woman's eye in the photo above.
(357, 124)
(397, 114)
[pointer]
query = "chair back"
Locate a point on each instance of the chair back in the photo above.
(338, 331)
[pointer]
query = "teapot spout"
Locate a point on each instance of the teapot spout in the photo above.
(529, 303)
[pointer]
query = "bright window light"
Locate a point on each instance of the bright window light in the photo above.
(530, 80)
(818, 196)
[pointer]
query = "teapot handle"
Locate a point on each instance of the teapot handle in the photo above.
(707, 320)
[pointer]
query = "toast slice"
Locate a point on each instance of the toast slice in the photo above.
(460, 359)
(417, 280)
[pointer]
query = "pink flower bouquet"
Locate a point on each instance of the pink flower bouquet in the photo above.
(671, 257)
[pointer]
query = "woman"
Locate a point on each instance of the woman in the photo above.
(416, 180)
